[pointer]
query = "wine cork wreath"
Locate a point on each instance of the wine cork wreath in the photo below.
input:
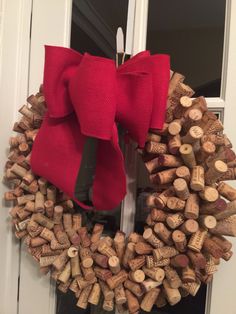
(191, 211)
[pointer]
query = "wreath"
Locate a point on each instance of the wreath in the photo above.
(188, 159)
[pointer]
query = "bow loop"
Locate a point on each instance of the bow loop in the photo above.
(93, 94)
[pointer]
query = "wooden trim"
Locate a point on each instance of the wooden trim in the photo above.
(14, 62)
(51, 25)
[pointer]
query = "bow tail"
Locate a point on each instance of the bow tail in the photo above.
(109, 187)
(56, 153)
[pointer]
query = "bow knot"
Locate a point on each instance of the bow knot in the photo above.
(91, 95)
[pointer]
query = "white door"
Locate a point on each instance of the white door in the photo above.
(21, 56)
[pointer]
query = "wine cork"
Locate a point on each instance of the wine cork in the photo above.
(39, 202)
(197, 179)
(183, 172)
(209, 194)
(114, 264)
(156, 273)
(132, 302)
(67, 221)
(174, 220)
(74, 237)
(49, 208)
(82, 283)
(107, 240)
(158, 214)
(214, 127)
(83, 298)
(106, 250)
(102, 273)
(227, 255)
(197, 239)
(174, 144)
(106, 291)
(197, 259)
(57, 214)
(63, 287)
(45, 261)
(194, 134)
(216, 139)
(180, 241)
(156, 148)
(86, 257)
(47, 234)
(149, 299)
(166, 160)
(227, 191)
(52, 193)
(230, 174)
(173, 295)
(207, 149)
(225, 244)
(175, 127)
(163, 233)
(192, 207)
(76, 222)
(100, 260)
(143, 248)
(217, 169)
(188, 274)
(62, 237)
(193, 116)
(97, 232)
(161, 300)
(149, 236)
(83, 233)
(18, 170)
(189, 226)
(137, 263)
(116, 280)
(75, 266)
(88, 273)
(212, 248)
(129, 253)
(181, 189)
(164, 252)
(179, 261)
(30, 206)
(187, 154)
(207, 221)
(175, 203)
(229, 211)
(164, 177)
(149, 284)
(151, 137)
(150, 262)
(172, 277)
(137, 276)
(213, 207)
(152, 165)
(65, 274)
(95, 294)
(29, 178)
(119, 244)
(135, 288)
(108, 305)
(161, 199)
(61, 260)
(192, 287)
(43, 220)
(120, 297)
(150, 199)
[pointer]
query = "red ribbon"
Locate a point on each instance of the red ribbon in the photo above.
(86, 96)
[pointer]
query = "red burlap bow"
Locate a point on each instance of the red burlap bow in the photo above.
(86, 96)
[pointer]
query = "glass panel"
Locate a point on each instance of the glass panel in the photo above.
(93, 30)
(189, 304)
(192, 32)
